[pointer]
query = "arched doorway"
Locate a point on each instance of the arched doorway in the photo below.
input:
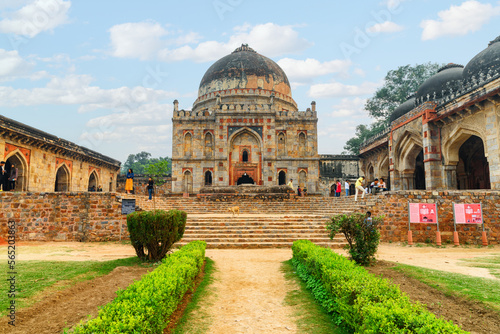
(282, 177)
(187, 182)
(245, 179)
(208, 145)
(333, 189)
(371, 174)
(93, 182)
(62, 179)
(419, 174)
(302, 179)
(22, 171)
(208, 178)
(245, 156)
(473, 170)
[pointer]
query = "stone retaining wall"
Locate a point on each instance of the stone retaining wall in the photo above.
(75, 216)
(394, 205)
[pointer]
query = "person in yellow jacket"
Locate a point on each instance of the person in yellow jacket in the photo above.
(359, 187)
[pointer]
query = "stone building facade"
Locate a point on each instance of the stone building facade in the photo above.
(244, 127)
(47, 163)
(337, 167)
(446, 136)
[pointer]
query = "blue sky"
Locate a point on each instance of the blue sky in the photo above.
(104, 74)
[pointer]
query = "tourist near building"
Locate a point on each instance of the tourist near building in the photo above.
(244, 127)
(47, 163)
(446, 136)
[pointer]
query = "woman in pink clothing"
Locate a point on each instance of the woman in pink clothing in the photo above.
(339, 189)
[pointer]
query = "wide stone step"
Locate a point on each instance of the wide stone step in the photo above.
(244, 245)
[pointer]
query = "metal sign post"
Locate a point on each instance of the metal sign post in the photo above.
(484, 236)
(410, 236)
(456, 241)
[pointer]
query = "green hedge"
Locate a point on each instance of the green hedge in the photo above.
(145, 306)
(155, 231)
(366, 303)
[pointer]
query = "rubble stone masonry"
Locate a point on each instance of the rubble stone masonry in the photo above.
(394, 206)
(70, 216)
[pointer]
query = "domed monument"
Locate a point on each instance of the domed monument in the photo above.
(446, 136)
(244, 128)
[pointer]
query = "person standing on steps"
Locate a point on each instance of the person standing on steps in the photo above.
(12, 177)
(339, 189)
(290, 184)
(129, 184)
(150, 188)
(359, 188)
(346, 186)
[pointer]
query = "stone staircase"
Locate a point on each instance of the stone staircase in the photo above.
(260, 224)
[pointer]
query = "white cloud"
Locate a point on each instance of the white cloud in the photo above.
(77, 90)
(337, 89)
(459, 20)
(387, 26)
(35, 17)
(149, 40)
(149, 125)
(304, 70)
(137, 40)
(11, 64)
(359, 72)
(353, 108)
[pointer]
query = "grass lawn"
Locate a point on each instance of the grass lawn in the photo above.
(195, 319)
(480, 289)
(310, 317)
(489, 262)
(34, 277)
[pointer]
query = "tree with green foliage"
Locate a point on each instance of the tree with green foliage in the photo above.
(138, 162)
(158, 172)
(398, 85)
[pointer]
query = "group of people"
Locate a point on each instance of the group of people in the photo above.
(93, 188)
(8, 179)
(129, 184)
(300, 191)
(337, 188)
(374, 187)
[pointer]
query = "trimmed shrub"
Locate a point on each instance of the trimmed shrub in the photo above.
(364, 302)
(155, 231)
(146, 305)
(361, 233)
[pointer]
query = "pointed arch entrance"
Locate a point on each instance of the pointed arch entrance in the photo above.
(63, 178)
(187, 182)
(93, 181)
(19, 162)
(245, 156)
(282, 177)
(473, 171)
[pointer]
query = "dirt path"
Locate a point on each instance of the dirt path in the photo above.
(250, 292)
(65, 308)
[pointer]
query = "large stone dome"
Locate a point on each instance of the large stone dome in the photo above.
(439, 85)
(484, 62)
(244, 69)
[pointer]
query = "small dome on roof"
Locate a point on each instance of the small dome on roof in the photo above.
(403, 109)
(485, 61)
(439, 85)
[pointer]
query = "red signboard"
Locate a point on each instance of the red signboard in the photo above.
(468, 213)
(423, 213)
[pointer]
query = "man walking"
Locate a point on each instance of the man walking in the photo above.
(359, 188)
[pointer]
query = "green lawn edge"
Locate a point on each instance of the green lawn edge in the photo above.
(36, 277)
(309, 316)
(484, 290)
(199, 301)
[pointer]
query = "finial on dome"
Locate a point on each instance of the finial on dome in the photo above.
(496, 40)
(244, 47)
